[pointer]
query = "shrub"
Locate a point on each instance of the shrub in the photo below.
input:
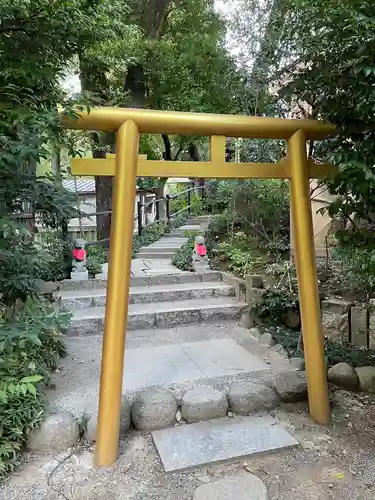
(30, 345)
(183, 258)
(96, 256)
(58, 254)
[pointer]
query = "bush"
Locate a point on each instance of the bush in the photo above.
(183, 258)
(30, 345)
(95, 258)
(58, 254)
(334, 353)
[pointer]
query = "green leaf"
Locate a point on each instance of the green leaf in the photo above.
(31, 379)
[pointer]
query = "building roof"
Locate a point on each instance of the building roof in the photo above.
(83, 185)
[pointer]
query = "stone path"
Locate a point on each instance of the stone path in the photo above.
(194, 445)
(161, 295)
(182, 336)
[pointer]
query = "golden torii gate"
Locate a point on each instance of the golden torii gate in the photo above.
(126, 165)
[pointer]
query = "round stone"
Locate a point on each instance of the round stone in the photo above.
(297, 364)
(203, 403)
(154, 409)
(291, 386)
(91, 415)
(366, 377)
(280, 350)
(255, 333)
(250, 397)
(239, 487)
(267, 339)
(343, 375)
(58, 432)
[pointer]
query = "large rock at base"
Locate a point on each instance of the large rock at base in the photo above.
(267, 339)
(203, 403)
(91, 414)
(366, 378)
(291, 386)
(239, 487)
(250, 397)
(154, 409)
(343, 375)
(58, 432)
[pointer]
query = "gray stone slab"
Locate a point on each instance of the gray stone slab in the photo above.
(222, 357)
(166, 365)
(79, 276)
(243, 486)
(218, 440)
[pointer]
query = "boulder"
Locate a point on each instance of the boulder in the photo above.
(91, 414)
(255, 333)
(280, 349)
(297, 364)
(291, 386)
(250, 397)
(246, 320)
(203, 403)
(267, 339)
(154, 409)
(343, 375)
(366, 378)
(58, 432)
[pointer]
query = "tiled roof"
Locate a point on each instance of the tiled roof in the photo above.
(83, 185)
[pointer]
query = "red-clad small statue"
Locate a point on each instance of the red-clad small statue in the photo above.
(79, 256)
(200, 252)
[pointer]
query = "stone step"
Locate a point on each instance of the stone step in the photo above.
(156, 254)
(160, 248)
(161, 279)
(78, 299)
(90, 321)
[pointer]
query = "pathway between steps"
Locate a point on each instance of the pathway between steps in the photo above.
(182, 334)
(156, 259)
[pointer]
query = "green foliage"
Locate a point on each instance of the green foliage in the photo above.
(241, 252)
(150, 234)
(334, 352)
(95, 257)
(183, 258)
(30, 345)
(180, 203)
(253, 225)
(332, 70)
(274, 305)
(259, 208)
(358, 269)
(57, 253)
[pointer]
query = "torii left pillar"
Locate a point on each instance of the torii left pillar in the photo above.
(116, 311)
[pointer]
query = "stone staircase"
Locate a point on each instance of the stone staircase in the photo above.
(161, 296)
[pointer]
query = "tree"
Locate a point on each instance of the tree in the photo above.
(331, 68)
(44, 36)
(176, 60)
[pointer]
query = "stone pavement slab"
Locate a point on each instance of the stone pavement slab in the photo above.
(240, 487)
(175, 364)
(218, 440)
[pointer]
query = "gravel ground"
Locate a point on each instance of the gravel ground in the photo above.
(331, 463)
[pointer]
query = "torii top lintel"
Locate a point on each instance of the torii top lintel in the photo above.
(182, 123)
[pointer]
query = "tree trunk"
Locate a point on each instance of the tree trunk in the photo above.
(93, 80)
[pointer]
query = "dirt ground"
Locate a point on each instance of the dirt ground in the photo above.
(337, 462)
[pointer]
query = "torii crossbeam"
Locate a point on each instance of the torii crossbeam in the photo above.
(126, 165)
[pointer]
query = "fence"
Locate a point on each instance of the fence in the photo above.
(349, 323)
